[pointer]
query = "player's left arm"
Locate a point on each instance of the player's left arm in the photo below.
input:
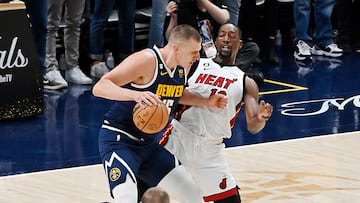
(214, 101)
(256, 113)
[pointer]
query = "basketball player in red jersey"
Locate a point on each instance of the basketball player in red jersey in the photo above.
(196, 135)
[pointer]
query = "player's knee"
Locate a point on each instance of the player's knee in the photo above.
(125, 192)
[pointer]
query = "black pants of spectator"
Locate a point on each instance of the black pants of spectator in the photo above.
(265, 30)
(348, 25)
(247, 19)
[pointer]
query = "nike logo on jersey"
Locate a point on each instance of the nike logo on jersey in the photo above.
(163, 73)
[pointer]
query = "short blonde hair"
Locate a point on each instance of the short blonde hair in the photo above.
(155, 195)
(183, 33)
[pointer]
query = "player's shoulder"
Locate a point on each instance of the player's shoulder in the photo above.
(143, 57)
(251, 86)
(148, 53)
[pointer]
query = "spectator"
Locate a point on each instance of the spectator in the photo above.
(37, 10)
(286, 25)
(157, 22)
(249, 52)
(347, 18)
(320, 41)
(126, 32)
(73, 12)
(247, 19)
(266, 30)
(234, 8)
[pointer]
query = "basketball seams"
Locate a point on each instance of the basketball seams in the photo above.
(155, 120)
(151, 116)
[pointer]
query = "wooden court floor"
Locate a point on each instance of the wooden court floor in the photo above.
(320, 169)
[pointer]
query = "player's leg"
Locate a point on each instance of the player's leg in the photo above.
(141, 187)
(212, 173)
(162, 169)
(180, 184)
(121, 164)
(121, 178)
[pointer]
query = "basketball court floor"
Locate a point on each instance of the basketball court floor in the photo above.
(308, 151)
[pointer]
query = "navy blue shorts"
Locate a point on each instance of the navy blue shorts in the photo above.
(122, 156)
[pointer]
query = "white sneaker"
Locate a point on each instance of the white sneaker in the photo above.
(54, 80)
(331, 50)
(98, 70)
(302, 50)
(75, 75)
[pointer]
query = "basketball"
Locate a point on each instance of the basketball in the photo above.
(150, 119)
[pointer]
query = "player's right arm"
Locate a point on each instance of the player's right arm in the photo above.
(256, 113)
(137, 68)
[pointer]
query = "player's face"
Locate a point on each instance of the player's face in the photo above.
(188, 53)
(228, 41)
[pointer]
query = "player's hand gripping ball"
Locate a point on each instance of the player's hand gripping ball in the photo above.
(150, 119)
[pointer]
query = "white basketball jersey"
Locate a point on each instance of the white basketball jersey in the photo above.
(210, 78)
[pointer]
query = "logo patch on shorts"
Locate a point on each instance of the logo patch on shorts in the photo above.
(114, 174)
(223, 184)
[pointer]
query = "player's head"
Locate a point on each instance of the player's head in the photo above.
(155, 195)
(186, 44)
(228, 42)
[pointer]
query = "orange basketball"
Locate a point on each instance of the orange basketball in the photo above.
(150, 119)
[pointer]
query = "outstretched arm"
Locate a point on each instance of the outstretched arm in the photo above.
(256, 113)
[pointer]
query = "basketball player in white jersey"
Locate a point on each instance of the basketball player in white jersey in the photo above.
(196, 136)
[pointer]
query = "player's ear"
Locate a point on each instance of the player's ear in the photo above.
(176, 47)
(240, 43)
